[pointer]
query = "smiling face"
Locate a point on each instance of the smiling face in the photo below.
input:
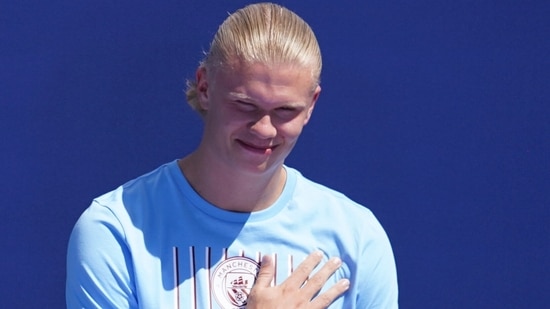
(254, 114)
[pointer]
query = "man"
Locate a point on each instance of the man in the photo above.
(228, 225)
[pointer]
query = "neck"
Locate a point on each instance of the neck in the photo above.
(232, 189)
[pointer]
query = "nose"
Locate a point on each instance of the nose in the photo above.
(264, 128)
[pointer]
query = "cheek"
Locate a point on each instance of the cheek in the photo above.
(296, 125)
(291, 130)
(223, 125)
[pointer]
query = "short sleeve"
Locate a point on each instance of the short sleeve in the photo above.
(99, 263)
(377, 272)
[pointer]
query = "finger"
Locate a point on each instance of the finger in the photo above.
(317, 281)
(326, 298)
(302, 272)
(266, 272)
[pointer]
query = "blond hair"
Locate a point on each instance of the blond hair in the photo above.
(261, 33)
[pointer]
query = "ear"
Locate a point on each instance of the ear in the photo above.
(202, 88)
(314, 99)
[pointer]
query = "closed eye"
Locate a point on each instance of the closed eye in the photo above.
(288, 112)
(286, 109)
(245, 106)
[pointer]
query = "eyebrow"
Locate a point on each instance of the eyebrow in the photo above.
(242, 96)
(238, 95)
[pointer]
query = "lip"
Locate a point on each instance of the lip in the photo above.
(260, 149)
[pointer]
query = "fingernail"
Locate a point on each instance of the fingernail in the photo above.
(345, 283)
(336, 261)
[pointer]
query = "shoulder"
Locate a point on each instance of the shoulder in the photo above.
(314, 192)
(328, 207)
(136, 199)
(155, 182)
(335, 210)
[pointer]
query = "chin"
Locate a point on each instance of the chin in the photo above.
(261, 168)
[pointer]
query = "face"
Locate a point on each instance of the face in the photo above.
(254, 114)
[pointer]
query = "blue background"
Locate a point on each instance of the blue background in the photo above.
(434, 114)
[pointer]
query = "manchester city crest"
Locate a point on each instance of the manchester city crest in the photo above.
(232, 281)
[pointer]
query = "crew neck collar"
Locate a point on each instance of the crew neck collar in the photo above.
(225, 215)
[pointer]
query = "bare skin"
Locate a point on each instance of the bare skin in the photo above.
(293, 293)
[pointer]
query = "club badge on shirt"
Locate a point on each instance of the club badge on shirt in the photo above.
(232, 281)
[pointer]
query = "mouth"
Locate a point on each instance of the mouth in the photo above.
(260, 149)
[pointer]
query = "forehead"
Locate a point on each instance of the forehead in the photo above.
(287, 74)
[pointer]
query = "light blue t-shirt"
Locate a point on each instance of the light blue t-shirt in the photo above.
(155, 243)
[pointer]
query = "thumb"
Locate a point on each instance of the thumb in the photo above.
(266, 273)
